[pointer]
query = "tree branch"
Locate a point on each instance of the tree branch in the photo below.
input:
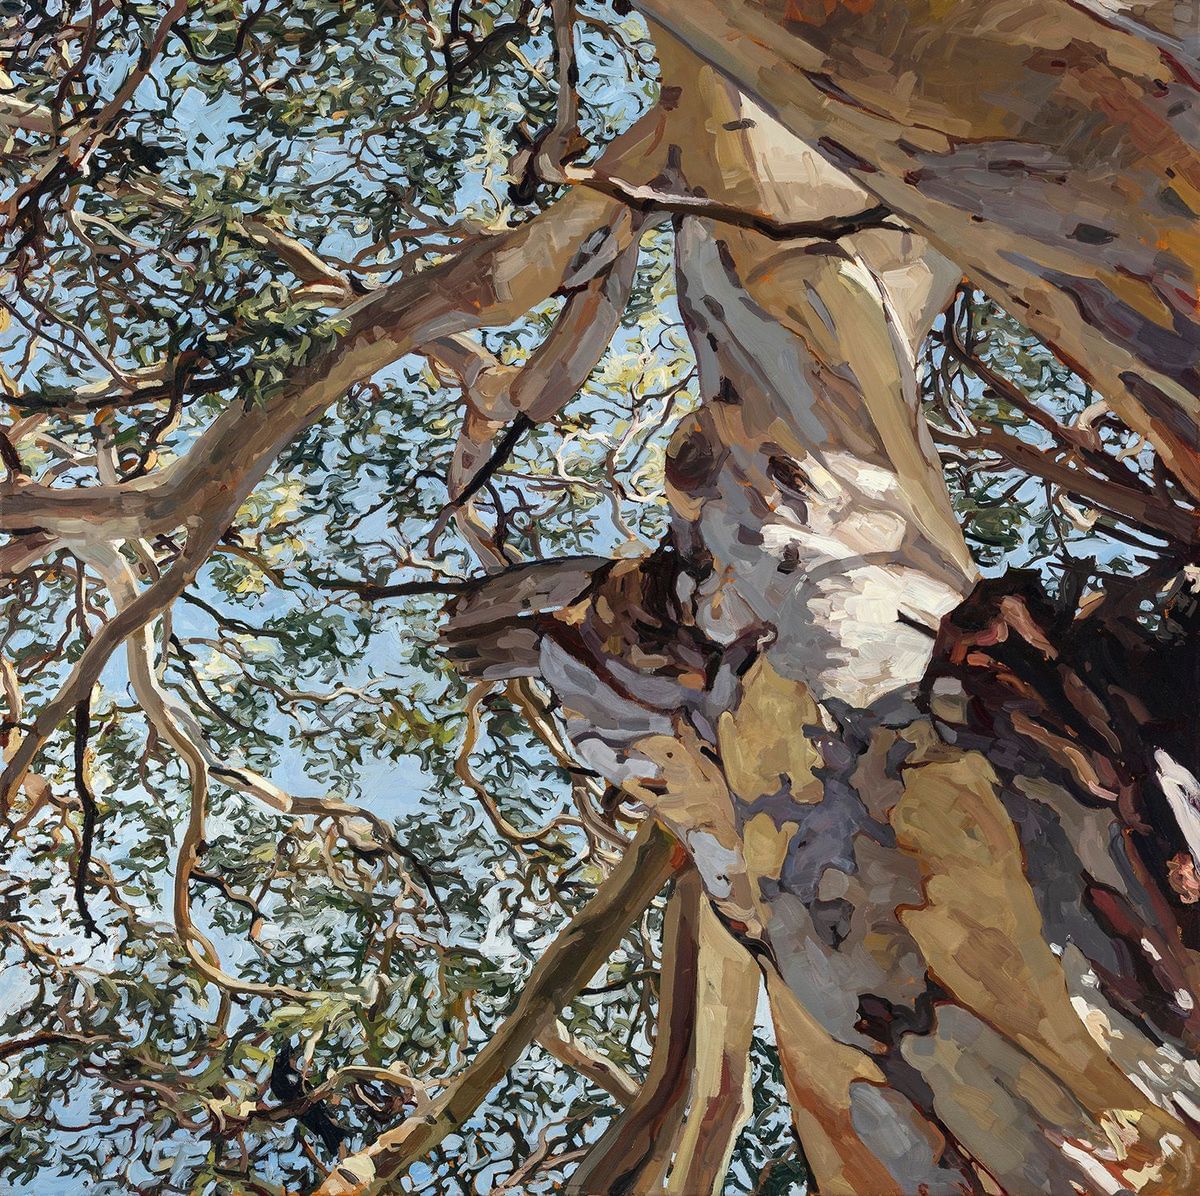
(87, 802)
(495, 281)
(534, 394)
(574, 1053)
(649, 199)
(721, 1101)
(1135, 506)
(635, 1150)
(997, 176)
(578, 951)
(14, 1046)
(563, 140)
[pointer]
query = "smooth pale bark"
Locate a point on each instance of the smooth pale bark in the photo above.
(1051, 148)
(572, 1052)
(976, 965)
(720, 1101)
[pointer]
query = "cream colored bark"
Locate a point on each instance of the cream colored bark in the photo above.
(978, 982)
(720, 1101)
(574, 1053)
(1049, 147)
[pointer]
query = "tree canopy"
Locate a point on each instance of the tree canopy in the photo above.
(317, 320)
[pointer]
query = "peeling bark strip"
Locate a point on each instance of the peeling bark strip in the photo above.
(696, 1097)
(936, 812)
(1068, 186)
(720, 1100)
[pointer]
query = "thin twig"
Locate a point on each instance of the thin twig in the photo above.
(645, 198)
(83, 721)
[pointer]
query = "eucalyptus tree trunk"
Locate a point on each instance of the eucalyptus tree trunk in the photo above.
(1050, 147)
(951, 822)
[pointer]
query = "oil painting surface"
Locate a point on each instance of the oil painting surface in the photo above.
(600, 596)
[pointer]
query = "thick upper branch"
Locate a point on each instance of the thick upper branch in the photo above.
(1067, 188)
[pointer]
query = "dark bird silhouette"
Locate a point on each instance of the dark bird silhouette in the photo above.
(289, 1086)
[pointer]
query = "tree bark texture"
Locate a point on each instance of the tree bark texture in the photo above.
(1050, 147)
(952, 822)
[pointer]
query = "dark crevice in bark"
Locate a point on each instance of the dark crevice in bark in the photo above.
(1102, 694)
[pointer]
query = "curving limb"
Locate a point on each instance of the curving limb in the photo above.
(1028, 183)
(633, 1153)
(576, 954)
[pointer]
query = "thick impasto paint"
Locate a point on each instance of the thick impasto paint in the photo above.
(600, 599)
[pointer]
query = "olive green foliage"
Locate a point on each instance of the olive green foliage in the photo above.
(378, 135)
